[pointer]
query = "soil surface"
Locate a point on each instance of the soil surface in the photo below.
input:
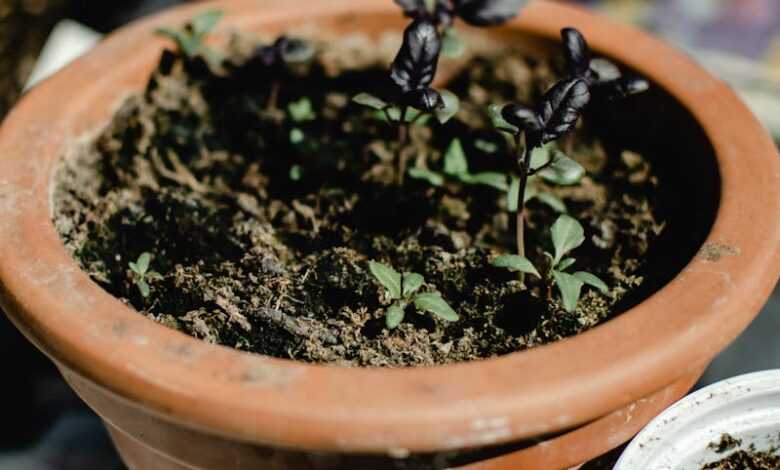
(741, 459)
(261, 226)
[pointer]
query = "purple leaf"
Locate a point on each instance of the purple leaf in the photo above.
(415, 65)
(577, 52)
(562, 107)
(627, 86)
(424, 99)
(523, 118)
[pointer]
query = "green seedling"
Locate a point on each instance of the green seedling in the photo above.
(403, 291)
(567, 235)
(456, 167)
(190, 38)
(141, 274)
(301, 110)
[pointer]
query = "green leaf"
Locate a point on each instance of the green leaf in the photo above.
(371, 101)
(143, 288)
(434, 303)
(301, 110)
(296, 172)
(567, 234)
(570, 288)
(553, 202)
(143, 262)
(487, 178)
(431, 177)
(455, 163)
(204, 22)
(394, 316)
(516, 263)
(388, 277)
(395, 114)
(530, 193)
(486, 146)
(189, 46)
(296, 136)
(563, 170)
(451, 44)
(494, 111)
(154, 276)
(411, 283)
(541, 155)
(450, 108)
(170, 33)
(134, 267)
(592, 281)
(512, 194)
(565, 264)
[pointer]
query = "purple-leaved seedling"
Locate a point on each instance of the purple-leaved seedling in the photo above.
(410, 95)
(473, 12)
(272, 62)
(556, 115)
(604, 78)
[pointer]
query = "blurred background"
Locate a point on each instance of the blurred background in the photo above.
(47, 426)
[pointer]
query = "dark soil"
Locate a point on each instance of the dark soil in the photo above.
(727, 442)
(263, 244)
(750, 459)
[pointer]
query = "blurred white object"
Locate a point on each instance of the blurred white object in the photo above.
(745, 407)
(67, 41)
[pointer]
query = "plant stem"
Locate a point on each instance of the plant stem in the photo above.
(403, 137)
(273, 97)
(524, 162)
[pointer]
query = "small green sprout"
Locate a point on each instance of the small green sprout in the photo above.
(296, 172)
(301, 110)
(567, 235)
(296, 136)
(391, 113)
(403, 290)
(456, 166)
(190, 38)
(141, 274)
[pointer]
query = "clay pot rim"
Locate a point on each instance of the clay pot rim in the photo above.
(283, 403)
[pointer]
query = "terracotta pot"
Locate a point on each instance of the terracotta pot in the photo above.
(173, 402)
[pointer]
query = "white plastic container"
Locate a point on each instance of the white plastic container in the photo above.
(745, 407)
